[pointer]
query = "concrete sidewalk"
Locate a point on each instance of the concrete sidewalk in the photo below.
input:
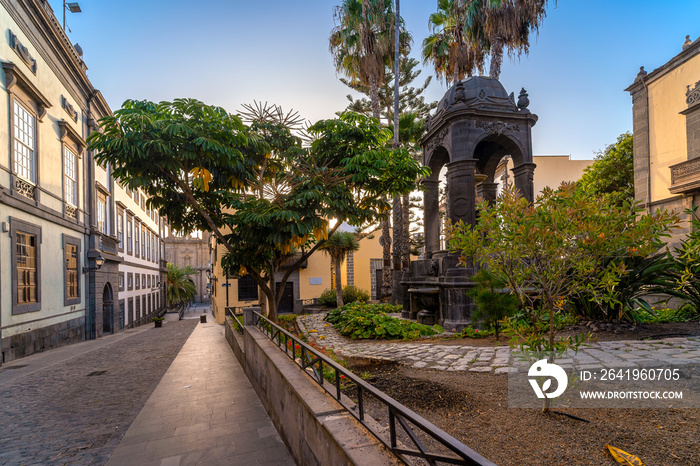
(204, 411)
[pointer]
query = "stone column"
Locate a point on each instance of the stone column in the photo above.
(431, 217)
(524, 175)
(488, 191)
(460, 196)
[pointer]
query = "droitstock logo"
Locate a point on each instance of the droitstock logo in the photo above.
(542, 368)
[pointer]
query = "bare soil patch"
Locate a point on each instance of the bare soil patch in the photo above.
(473, 408)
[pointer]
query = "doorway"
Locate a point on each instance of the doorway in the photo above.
(107, 309)
(286, 304)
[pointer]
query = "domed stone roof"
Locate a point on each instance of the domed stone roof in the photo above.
(479, 92)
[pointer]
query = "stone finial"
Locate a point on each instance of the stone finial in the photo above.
(641, 74)
(523, 101)
(687, 42)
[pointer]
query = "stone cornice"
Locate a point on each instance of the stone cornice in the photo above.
(684, 56)
(66, 129)
(14, 76)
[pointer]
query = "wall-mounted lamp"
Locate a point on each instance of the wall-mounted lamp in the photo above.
(99, 260)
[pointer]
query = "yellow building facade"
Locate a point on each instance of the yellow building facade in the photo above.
(666, 122)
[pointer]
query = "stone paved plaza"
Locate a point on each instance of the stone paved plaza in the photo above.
(501, 359)
(174, 395)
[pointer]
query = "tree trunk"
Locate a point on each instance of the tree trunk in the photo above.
(397, 214)
(338, 284)
(406, 249)
(386, 254)
(496, 57)
(386, 234)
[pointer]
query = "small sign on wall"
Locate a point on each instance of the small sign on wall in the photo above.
(315, 281)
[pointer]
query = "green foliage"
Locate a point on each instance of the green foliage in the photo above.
(179, 286)
(362, 43)
(470, 332)
(351, 294)
(200, 166)
(493, 300)
(370, 321)
(686, 313)
(612, 173)
(686, 275)
(567, 245)
(337, 246)
(652, 275)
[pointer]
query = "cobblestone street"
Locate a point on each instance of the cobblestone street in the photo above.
(500, 359)
(76, 409)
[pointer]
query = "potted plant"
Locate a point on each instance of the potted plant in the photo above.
(158, 321)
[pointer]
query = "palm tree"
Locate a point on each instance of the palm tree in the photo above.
(496, 24)
(448, 48)
(362, 44)
(180, 287)
(337, 246)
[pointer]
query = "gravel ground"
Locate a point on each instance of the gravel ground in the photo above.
(473, 408)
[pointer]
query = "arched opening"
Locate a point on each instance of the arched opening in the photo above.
(434, 201)
(107, 309)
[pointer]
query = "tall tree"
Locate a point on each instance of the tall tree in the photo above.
(493, 25)
(412, 113)
(612, 173)
(362, 44)
(411, 98)
(200, 165)
(337, 246)
(448, 48)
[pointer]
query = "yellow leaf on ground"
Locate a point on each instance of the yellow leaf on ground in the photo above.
(623, 457)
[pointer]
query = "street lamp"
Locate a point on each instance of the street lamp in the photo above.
(99, 260)
(73, 7)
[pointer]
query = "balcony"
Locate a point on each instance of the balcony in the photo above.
(685, 177)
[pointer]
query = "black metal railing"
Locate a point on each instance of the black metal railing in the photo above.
(237, 323)
(313, 363)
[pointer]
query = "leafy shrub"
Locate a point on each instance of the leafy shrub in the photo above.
(351, 294)
(493, 301)
(469, 332)
(370, 321)
(665, 315)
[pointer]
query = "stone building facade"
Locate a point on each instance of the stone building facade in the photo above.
(60, 234)
(191, 250)
(666, 124)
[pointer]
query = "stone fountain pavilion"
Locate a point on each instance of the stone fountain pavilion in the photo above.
(475, 125)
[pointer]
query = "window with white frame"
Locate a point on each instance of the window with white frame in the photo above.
(120, 227)
(129, 235)
(24, 138)
(70, 175)
(101, 213)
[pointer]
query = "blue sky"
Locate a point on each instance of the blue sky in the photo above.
(228, 53)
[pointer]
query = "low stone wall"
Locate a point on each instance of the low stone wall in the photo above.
(235, 341)
(315, 427)
(42, 339)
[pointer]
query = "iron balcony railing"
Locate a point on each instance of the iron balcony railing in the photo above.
(312, 362)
